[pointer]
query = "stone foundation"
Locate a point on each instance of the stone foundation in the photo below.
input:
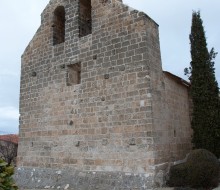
(36, 178)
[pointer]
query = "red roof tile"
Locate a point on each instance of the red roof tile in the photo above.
(9, 138)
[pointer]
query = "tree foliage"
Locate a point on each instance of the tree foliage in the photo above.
(204, 90)
(6, 181)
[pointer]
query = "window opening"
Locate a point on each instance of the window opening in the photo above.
(85, 18)
(59, 25)
(73, 74)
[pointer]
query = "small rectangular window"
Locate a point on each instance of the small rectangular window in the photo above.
(73, 74)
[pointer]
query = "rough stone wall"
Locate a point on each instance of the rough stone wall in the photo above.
(110, 121)
(42, 178)
(177, 132)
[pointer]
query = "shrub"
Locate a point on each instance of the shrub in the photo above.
(204, 174)
(201, 170)
(6, 181)
(200, 155)
(178, 175)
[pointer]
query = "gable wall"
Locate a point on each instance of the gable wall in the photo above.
(106, 113)
(108, 122)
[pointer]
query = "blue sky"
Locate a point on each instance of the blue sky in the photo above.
(20, 20)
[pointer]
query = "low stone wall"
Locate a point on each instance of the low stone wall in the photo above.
(29, 178)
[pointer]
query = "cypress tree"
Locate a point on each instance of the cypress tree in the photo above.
(204, 90)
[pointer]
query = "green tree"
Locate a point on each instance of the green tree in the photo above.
(6, 180)
(204, 90)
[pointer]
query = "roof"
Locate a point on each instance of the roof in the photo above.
(9, 138)
(177, 79)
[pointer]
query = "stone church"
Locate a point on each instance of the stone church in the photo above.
(96, 109)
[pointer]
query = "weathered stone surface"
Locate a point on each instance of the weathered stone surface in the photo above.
(99, 100)
(69, 179)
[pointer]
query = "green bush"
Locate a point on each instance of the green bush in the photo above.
(178, 175)
(201, 170)
(204, 174)
(6, 181)
(201, 155)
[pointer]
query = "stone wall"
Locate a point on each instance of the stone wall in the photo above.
(110, 119)
(178, 110)
(81, 180)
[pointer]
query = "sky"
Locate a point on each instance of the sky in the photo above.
(20, 20)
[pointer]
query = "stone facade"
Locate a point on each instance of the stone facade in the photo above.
(96, 109)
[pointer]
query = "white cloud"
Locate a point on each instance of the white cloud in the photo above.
(9, 113)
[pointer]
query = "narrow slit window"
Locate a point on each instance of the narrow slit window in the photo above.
(73, 74)
(85, 18)
(59, 25)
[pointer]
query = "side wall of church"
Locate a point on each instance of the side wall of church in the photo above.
(178, 132)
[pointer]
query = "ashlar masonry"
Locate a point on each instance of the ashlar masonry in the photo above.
(96, 109)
